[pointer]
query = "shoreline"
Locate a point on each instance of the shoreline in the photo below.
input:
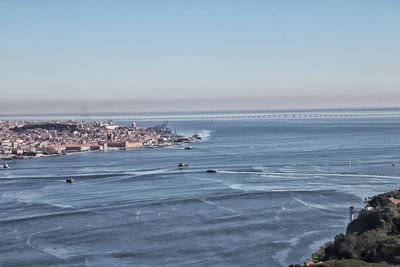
(371, 240)
(35, 139)
(22, 157)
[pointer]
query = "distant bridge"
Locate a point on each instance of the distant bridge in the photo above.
(274, 115)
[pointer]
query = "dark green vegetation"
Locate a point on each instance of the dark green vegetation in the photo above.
(349, 263)
(47, 126)
(373, 239)
(354, 263)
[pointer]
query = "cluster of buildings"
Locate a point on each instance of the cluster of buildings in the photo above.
(39, 138)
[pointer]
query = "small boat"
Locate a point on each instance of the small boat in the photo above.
(152, 146)
(5, 166)
(197, 136)
(183, 164)
(188, 147)
(69, 180)
(211, 171)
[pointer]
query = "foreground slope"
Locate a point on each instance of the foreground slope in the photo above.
(373, 239)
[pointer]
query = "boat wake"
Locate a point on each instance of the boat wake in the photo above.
(54, 250)
(304, 174)
(282, 256)
(204, 134)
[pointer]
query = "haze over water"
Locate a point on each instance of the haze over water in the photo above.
(283, 188)
(134, 56)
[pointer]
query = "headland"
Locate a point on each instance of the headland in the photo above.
(371, 240)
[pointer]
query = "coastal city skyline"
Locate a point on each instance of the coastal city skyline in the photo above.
(27, 139)
(132, 56)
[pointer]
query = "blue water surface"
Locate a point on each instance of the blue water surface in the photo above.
(282, 189)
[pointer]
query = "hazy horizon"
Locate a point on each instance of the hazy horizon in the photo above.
(146, 107)
(141, 56)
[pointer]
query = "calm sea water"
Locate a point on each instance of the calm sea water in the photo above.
(284, 188)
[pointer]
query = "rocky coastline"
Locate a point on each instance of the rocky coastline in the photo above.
(371, 240)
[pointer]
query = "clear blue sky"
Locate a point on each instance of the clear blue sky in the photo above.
(200, 54)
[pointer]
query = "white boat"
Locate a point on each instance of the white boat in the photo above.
(5, 166)
(197, 136)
